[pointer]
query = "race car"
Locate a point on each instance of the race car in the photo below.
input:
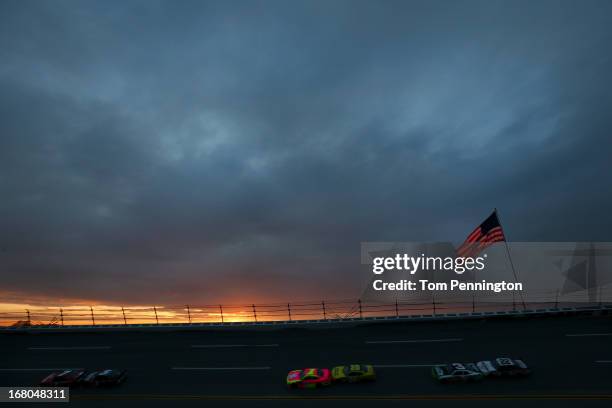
(309, 378)
(66, 378)
(103, 378)
(503, 367)
(353, 373)
(456, 372)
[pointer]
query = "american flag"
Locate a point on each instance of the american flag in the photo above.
(487, 233)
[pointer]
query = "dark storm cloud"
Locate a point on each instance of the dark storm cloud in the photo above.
(171, 151)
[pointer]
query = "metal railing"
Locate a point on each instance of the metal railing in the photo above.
(272, 312)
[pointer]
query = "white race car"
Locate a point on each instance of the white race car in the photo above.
(456, 372)
(503, 367)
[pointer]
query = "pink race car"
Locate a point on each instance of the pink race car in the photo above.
(66, 378)
(309, 378)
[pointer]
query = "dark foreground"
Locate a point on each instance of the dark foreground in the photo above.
(571, 358)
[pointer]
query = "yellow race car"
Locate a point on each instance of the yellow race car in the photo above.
(354, 373)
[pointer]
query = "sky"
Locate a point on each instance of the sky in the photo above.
(172, 152)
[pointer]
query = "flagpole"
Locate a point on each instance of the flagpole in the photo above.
(510, 259)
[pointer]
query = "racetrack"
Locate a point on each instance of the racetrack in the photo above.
(571, 358)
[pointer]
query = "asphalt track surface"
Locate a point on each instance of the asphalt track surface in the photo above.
(571, 358)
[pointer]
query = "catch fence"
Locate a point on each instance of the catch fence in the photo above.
(274, 312)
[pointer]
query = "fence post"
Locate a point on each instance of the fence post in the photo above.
(221, 310)
(473, 303)
(62, 315)
(289, 310)
(123, 312)
(324, 311)
(254, 313)
(28, 317)
(396, 309)
(599, 290)
(156, 319)
(188, 313)
(93, 320)
(360, 310)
